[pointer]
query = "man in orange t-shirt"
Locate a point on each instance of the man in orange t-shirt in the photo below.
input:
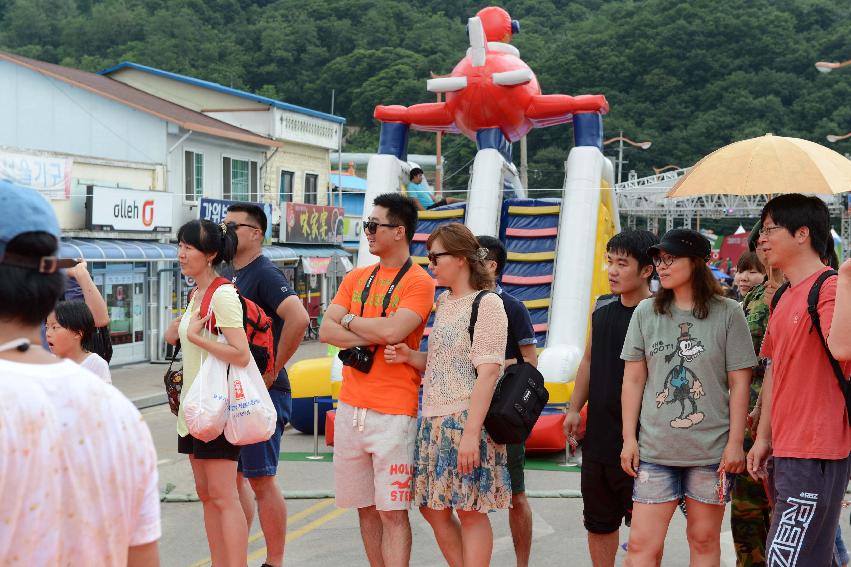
(804, 421)
(377, 414)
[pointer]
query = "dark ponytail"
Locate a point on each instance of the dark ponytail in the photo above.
(209, 238)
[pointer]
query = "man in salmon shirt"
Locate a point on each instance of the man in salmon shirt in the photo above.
(385, 303)
(804, 422)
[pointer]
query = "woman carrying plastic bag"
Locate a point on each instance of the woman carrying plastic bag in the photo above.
(252, 416)
(202, 247)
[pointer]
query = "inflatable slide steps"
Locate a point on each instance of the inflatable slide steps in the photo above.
(529, 229)
(428, 222)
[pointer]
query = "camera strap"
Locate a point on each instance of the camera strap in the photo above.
(365, 293)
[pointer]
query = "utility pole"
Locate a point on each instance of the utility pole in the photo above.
(524, 166)
(620, 156)
(438, 166)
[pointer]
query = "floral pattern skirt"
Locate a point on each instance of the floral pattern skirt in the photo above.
(437, 482)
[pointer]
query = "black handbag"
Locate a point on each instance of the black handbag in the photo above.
(519, 397)
(173, 380)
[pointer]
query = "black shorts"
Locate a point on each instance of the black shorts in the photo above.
(218, 448)
(516, 462)
(607, 495)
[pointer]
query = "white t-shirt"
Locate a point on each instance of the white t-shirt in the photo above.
(78, 473)
(98, 366)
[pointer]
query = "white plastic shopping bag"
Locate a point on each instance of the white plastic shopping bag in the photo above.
(205, 406)
(251, 415)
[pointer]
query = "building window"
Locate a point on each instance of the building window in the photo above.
(239, 180)
(193, 170)
(311, 180)
(286, 188)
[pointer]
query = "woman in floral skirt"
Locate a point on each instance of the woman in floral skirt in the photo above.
(457, 466)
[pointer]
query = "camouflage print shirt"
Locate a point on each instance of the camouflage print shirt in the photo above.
(756, 315)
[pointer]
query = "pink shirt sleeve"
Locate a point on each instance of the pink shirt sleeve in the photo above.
(145, 527)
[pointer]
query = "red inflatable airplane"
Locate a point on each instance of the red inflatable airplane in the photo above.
(491, 87)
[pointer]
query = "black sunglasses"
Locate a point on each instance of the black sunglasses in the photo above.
(433, 256)
(372, 226)
(236, 225)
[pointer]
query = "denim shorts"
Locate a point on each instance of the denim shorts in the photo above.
(660, 483)
(261, 459)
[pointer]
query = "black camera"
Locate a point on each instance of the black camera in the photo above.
(359, 358)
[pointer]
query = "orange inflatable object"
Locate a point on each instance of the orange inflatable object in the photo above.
(329, 427)
(548, 434)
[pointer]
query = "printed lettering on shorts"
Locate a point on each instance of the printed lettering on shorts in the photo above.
(791, 530)
(401, 489)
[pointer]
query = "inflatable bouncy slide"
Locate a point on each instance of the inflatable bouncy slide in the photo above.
(556, 247)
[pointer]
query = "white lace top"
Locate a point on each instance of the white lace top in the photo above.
(449, 375)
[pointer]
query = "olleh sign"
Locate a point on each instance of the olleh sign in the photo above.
(128, 210)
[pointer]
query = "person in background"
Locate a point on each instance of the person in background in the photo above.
(78, 477)
(840, 340)
(750, 272)
(520, 328)
(69, 332)
(202, 247)
(457, 466)
(419, 190)
(79, 286)
(688, 364)
(259, 280)
(804, 423)
(606, 488)
(385, 303)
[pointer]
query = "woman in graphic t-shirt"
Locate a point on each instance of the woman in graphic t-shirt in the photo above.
(457, 466)
(688, 365)
(202, 247)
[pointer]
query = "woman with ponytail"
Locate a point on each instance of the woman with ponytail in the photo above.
(457, 466)
(202, 247)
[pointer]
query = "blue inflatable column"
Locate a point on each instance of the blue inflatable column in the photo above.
(393, 140)
(492, 138)
(588, 130)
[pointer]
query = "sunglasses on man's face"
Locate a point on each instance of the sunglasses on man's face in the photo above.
(372, 226)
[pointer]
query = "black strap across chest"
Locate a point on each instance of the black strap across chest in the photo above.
(365, 293)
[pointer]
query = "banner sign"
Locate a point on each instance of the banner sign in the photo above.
(216, 209)
(128, 210)
(51, 176)
(352, 228)
(312, 224)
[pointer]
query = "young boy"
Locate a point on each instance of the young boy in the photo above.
(606, 488)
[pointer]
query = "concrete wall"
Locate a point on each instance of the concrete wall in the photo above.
(301, 160)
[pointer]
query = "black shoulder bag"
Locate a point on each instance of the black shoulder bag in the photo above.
(519, 397)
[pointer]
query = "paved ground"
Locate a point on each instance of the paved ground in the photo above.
(319, 533)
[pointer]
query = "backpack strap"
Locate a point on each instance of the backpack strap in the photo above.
(780, 290)
(474, 315)
(208, 298)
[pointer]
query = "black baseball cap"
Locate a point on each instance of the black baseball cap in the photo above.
(682, 242)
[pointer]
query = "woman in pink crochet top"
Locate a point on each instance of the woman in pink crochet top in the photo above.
(457, 466)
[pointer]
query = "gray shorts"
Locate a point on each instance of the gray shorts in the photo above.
(808, 497)
(373, 458)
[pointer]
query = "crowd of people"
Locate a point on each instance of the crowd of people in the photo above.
(693, 399)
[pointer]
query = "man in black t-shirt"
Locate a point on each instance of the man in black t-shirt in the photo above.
(520, 326)
(606, 488)
(259, 280)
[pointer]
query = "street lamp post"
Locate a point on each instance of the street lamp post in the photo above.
(621, 139)
(828, 66)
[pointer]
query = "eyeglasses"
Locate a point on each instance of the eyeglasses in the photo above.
(372, 226)
(433, 256)
(236, 225)
(664, 260)
(766, 230)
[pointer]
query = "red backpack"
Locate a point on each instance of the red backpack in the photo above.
(257, 325)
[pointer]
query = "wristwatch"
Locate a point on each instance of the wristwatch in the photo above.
(347, 318)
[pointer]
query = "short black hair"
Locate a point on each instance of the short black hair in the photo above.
(255, 213)
(209, 238)
(77, 317)
(634, 243)
(792, 211)
(414, 172)
(496, 251)
(26, 295)
(400, 210)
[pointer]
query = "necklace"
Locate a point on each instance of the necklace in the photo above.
(21, 345)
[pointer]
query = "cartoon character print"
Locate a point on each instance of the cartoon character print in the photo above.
(682, 384)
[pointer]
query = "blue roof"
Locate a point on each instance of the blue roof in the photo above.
(352, 182)
(223, 89)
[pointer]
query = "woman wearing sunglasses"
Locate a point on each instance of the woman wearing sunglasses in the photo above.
(457, 466)
(686, 380)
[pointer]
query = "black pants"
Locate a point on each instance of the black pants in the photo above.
(808, 499)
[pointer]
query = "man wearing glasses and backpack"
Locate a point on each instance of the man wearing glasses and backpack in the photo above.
(377, 305)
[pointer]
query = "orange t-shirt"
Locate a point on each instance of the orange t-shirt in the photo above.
(388, 388)
(808, 416)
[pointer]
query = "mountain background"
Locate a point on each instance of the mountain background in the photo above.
(689, 76)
